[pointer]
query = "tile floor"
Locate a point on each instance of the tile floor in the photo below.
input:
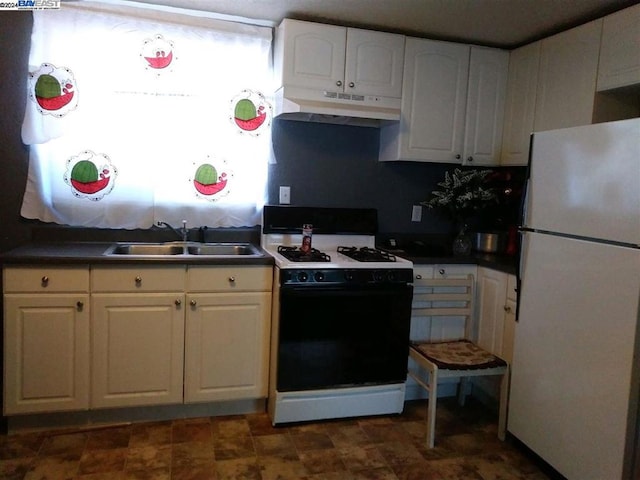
(248, 447)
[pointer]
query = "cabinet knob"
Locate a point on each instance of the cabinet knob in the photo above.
(178, 302)
(138, 280)
(458, 157)
(339, 83)
(441, 271)
(45, 281)
(232, 279)
(418, 277)
(79, 305)
(469, 159)
(351, 84)
(193, 303)
(507, 308)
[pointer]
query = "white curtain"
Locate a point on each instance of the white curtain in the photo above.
(136, 115)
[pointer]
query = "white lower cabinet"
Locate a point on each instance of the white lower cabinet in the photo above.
(496, 297)
(137, 335)
(46, 339)
(137, 349)
(227, 346)
(228, 326)
(141, 335)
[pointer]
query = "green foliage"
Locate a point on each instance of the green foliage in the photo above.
(462, 193)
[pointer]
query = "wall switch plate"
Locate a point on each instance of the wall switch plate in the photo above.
(416, 213)
(285, 195)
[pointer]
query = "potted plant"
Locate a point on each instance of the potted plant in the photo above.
(462, 194)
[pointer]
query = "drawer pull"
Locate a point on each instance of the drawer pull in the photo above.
(232, 279)
(418, 277)
(138, 280)
(178, 302)
(441, 271)
(193, 303)
(45, 281)
(507, 308)
(79, 305)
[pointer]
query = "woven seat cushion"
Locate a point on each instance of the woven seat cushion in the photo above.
(458, 355)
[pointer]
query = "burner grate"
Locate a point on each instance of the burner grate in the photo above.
(367, 254)
(296, 255)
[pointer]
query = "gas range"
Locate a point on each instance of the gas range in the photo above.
(341, 315)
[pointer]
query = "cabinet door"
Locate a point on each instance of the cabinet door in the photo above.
(491, 295)
(620, 49)
(227, 346)
(567, 78)
(312, 55)
(488, 69)
(46, 353)
(374, 62)
(138, 347)
(521, 104)
(433, 101)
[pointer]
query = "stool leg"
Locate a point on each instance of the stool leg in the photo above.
(504, 402)
(431, 408)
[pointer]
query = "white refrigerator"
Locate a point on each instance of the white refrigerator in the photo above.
(576, 367)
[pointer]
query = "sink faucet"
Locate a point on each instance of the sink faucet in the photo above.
(182, 233)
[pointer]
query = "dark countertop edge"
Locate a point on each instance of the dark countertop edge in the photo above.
(92, 253)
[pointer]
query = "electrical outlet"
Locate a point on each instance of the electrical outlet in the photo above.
(416, 213)
(285, 195)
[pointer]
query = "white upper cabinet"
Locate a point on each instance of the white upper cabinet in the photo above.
(434, 102)
(488, 70)
(520, 104)
(620, 49)
(452, 105)
(339, 59)
(567, 78)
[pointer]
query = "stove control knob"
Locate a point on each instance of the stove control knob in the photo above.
(378, 276)
(391, 276)
(319, 276)
(349, 276)
(303, 277)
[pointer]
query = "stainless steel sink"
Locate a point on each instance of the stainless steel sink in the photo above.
(146, 249)
(223, 249)
(181, 248)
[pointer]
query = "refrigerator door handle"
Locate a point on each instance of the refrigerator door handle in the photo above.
(519, 270)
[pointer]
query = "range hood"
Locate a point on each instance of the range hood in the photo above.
(294, 103)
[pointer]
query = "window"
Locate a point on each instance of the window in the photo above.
(136, 115)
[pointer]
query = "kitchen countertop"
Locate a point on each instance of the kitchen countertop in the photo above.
(93, 253)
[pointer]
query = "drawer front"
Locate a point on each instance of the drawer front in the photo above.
(138, 279)
(229, 279)
(454, 270)
(421, 273)
(46, 279)
(512, 292)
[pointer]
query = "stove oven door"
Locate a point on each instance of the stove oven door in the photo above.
(339, 336)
